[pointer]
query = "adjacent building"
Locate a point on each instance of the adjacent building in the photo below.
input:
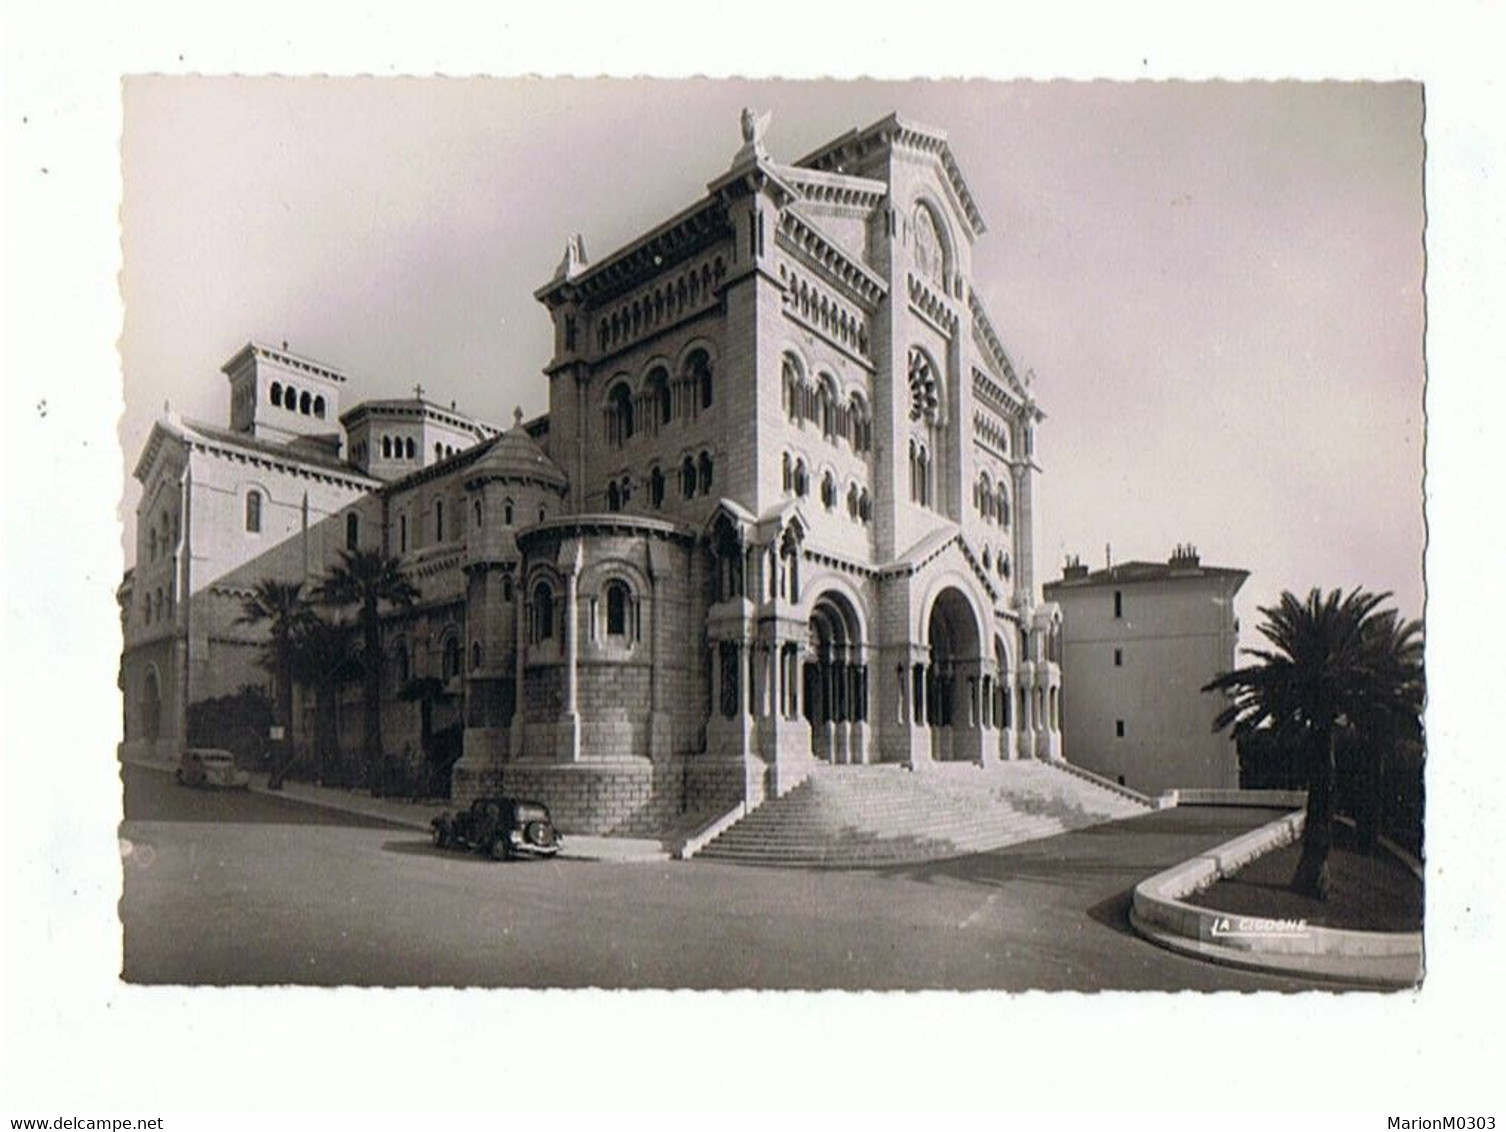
(780, 511)
(1140, 640)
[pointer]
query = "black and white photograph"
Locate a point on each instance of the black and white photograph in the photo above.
(773, 535)
(625, 566)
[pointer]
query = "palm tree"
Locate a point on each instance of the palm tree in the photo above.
(369, 580)
(284, 609)
(323, 652)
(1335, 662)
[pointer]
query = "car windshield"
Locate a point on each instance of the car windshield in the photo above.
(532, 813)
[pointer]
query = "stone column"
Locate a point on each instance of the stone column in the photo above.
(520, 631)
(567, 745)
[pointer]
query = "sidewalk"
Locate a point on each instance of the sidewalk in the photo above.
(417, 815)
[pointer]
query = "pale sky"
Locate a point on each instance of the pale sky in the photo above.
(1218, 286)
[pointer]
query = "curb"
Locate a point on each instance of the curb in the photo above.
(1391, 960)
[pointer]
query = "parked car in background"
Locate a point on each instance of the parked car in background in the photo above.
(499, 828)
(211, 768)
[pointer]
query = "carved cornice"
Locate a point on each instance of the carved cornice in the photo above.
(932, 304)
(804, 240)
(894, 131)
(683, 235)
(988, 341)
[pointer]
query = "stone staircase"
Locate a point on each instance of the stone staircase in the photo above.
(869, 816)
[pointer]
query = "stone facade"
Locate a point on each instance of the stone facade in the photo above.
(780, 510)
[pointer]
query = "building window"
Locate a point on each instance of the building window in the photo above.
(656, 487)
(802, 479)
(705, 473)
(1119, 729)
(253, 511)
(290, 399)
(658, 388)
(852, 501)
(699, 368)
(787, 473)
(439, 520)
(476, 513)
(352, 531)
(687, 477)
(618, 600)
(386, 447)
(865, 505)
(402, 534)
(305, 403)
(1118, 603)
(451, 657)
(828, 491)
(506, 587)
(277, 394)
(620, 414)
(319, 407)
(400, 663)
(543, 514)
(438, 450)
(409, 449)
(1118, 658)
(614, 497)
(543, 612)
(507, 512)
(475, 656)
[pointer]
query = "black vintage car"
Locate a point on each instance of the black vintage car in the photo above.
(499, 828)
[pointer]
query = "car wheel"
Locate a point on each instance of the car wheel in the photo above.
(497, 850)
(441, 836)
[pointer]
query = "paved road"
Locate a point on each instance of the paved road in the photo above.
(243, 889)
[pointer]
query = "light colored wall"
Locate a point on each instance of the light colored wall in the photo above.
(1175, 636)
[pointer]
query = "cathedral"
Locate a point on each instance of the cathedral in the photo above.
(779, 513)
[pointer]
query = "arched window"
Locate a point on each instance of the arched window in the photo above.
(618, 600)
(865, 505)
(802, 480)
(705, 473)
(925, 388)
(543, 513)
(620, 414)
(352, 531)
(476, 513)
(543, 612)
(290, 399)
(319, 407)
(277, 394)
(829, 491)
(402, 534)
(507, 594)
(988, 559)
(698, 367)
(438, 450)
(862, 426)
(152, 545)
(400, 663)
(656, 487)
(439, 520)
(475, 656)
(687, 477)
(658, 390)
(792, 383)
(787, 470)
(253, 511)
(507, 512)
(409, 449)
(930, 251)
(852, 500)
(824, 408)
(1003, 508)
(614, 497)
(305, 403)
(386, 447)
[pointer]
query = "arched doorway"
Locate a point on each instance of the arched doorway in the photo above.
(835, 680)
(948, 687)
